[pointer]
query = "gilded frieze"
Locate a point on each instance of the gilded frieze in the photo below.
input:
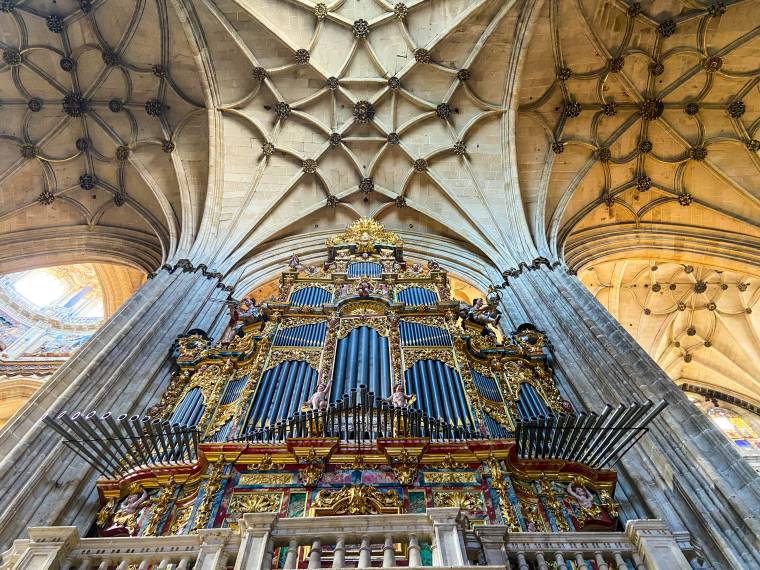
(379, 324)
(265, 479)
(449, 477)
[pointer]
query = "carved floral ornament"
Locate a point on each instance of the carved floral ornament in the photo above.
(356, 500)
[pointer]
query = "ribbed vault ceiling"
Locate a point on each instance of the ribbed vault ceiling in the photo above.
(638, 128)
(150, 130)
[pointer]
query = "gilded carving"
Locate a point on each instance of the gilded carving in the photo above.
(181, 518)
(365, 233)
(405, 468)
(450, 463)
(465, 500)
(356, 500)
(212, 486)
(191, 347)
(379, 324)
(413, 355)
(160, 507)
(553, 504)
(363, 308)
(312, 357)
(508, 511)
(449, 477)
(265, 479)
(255, 503)
(106, 512)
(265, 464)
(312, 472)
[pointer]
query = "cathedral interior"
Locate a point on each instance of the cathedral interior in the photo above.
(367, 283)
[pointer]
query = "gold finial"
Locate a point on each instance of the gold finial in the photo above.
(365, 233)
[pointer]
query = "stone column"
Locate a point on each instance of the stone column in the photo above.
(683, 471)
(123, 368)
(255, 534)
(448, 544)
(213, 542)
(656, 545)
(492, 538)
(47, 548)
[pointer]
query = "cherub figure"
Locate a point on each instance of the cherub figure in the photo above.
(399, 399)
(583, 496)
(126, 517)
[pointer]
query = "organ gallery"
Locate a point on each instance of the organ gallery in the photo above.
(363, 388)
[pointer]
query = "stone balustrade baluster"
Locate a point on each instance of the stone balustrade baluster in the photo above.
(522, 563)
(162, 564)
(601, 564)
(144, 563)
(559, 560)
(389, 555)
(365, 553)
(542, 565)
(621, 565)
(339, 553)
(123, 565)
(291, 558)
(84, 564)
(580, 561)
(638, 562)
(184, 561)
(104, 564)
(315, 554)
(415, 559)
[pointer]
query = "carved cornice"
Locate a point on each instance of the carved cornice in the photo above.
(523, 266)
(187, 267)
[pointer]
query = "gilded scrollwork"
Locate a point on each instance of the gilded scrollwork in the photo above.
(255, 503)
(160, 507)
(379, 324)
(356, 500)
(181, 518)
(465, 500)
(266, 479)
(449, 477)
(312, 357)
(405, 467)
(365, 233)
(212, 486)
(313, 470)
(413, 355)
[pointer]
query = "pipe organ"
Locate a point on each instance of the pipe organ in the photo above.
(363, 372)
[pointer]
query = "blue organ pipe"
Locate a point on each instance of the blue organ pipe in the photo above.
(285, 381)
(310, 297)
(233, 390)
(449, 393)
(307, 389)
(361, 358)
(267, 397)
(259, 398)
(529, 402)
(415, 296)
(385, 364)
(364, 268)
(418, 334)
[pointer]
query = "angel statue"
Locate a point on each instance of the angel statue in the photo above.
(399, 399)
(582, 495)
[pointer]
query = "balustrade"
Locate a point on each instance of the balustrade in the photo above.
(436, 538)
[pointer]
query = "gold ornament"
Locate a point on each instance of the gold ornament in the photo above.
(356, 500)
(405, 468)
(312, 473)
(266, 479)
(448, 477)
(181, 517)
(255, 503)
(160, 508)
(365, 233)
(105, 513)
(212, 486)
(467, 501)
